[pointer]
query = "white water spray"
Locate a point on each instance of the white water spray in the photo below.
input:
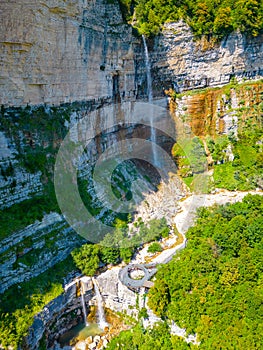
(101, 315)
(148, 71)
(84, 305)
(150, 97)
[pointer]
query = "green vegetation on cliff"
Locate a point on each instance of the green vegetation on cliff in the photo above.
(36, 133)
(21, 302)
(139, 338)
(119, 246)
(206, 17)
(227, 135)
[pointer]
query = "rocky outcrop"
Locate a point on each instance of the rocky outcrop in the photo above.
(55, 51)
(221, 111)
(183, 63)
(31, 251)
(116, 295)
(16, 184)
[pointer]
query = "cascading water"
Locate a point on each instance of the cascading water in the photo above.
(148, 70)
(101, 315)
(84, 306)
(150, 97)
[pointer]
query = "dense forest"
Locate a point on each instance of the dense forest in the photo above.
(215, 18)
(214, 286)
(158, 337)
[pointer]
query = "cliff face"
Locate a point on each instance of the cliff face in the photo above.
(184, 63)
(62, 51)
(220, 111)
(59, 51)
(29, 142)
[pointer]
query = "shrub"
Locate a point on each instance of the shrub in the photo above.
(155, 247)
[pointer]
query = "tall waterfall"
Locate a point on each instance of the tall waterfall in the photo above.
(148, 71)
(101, 315)
(84, 305)
(150, 97)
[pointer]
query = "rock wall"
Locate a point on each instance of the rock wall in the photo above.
(55, 52)
(221, 111)
(16, 183)
(58, 316)
(183, 63)
(58, 51)
(33, 250)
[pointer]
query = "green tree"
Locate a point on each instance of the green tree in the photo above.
(109, 255)
(86, 258)
(248, 16)
(223, 22)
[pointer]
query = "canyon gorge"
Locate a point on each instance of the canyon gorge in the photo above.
(62, 61)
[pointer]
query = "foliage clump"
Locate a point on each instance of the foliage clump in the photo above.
(119, 246)
(190, 157)
(155, 247)
(157, 337)
(205, 17)
(214, 288)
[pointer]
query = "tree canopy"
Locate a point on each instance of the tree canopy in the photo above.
(118, 246)
(206, 17)
(214, 287)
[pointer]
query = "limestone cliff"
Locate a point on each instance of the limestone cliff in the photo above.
(180, 61)
(220, 111)
(58, 51)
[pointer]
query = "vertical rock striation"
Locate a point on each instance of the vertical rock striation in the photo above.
(183, 63)
(62, 51)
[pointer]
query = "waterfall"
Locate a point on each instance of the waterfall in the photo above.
(148, 71)
(150, 97)
(101, 315)
(84, 305)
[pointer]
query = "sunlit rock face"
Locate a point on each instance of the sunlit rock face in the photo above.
(184, 63)
(221, 111)
(58, 51)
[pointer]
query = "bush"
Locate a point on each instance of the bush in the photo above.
(155, 247)
(87, 259)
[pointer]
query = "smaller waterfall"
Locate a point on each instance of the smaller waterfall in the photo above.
(150, 98)
(84, 305)
(101, 315)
